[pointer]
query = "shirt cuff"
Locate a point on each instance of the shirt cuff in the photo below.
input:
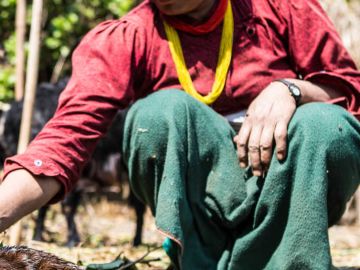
(350, 90)
(38, 167)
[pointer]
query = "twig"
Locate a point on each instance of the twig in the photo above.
(140, 260)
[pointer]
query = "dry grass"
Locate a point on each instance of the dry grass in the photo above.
(106, 230)
(346, 17)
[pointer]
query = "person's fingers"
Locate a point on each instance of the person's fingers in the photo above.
(254, 150)
(266, 144)
(241, 141)
(280, 135)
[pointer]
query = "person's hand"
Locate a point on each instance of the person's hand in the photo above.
(266, 120)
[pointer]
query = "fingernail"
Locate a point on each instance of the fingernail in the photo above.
(280, 156)
(242, 164)
(257, 173)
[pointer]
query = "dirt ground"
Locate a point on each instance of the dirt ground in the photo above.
(106, 229)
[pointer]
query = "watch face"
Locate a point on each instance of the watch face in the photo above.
(295, 90)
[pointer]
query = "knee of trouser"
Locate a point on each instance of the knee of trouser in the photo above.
(148, 120)
(164, 103)
(319, 123)
(329, 132)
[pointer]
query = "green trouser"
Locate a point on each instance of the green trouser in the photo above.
(183, 163)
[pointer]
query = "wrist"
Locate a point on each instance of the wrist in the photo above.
(294, 90)
(314, 92)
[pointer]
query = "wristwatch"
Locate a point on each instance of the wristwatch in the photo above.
(294, 90)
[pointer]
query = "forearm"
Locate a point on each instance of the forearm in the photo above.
(311, 92)
(21, 193)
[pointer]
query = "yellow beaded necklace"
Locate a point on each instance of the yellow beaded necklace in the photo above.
(223, 64)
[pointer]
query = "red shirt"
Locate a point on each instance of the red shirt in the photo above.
(121, 61)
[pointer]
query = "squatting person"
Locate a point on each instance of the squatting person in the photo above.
(262, 197)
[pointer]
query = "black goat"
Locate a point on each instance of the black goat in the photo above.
(45, 106)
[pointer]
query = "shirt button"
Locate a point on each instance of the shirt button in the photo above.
(38, 163)
(250, 30)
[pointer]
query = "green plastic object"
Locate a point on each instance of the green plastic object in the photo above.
(107, 266)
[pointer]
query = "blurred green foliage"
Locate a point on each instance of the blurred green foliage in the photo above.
(64, 24)
(7, 83)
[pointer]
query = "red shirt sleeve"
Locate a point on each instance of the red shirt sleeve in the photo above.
(318, 54)
(101, 83)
